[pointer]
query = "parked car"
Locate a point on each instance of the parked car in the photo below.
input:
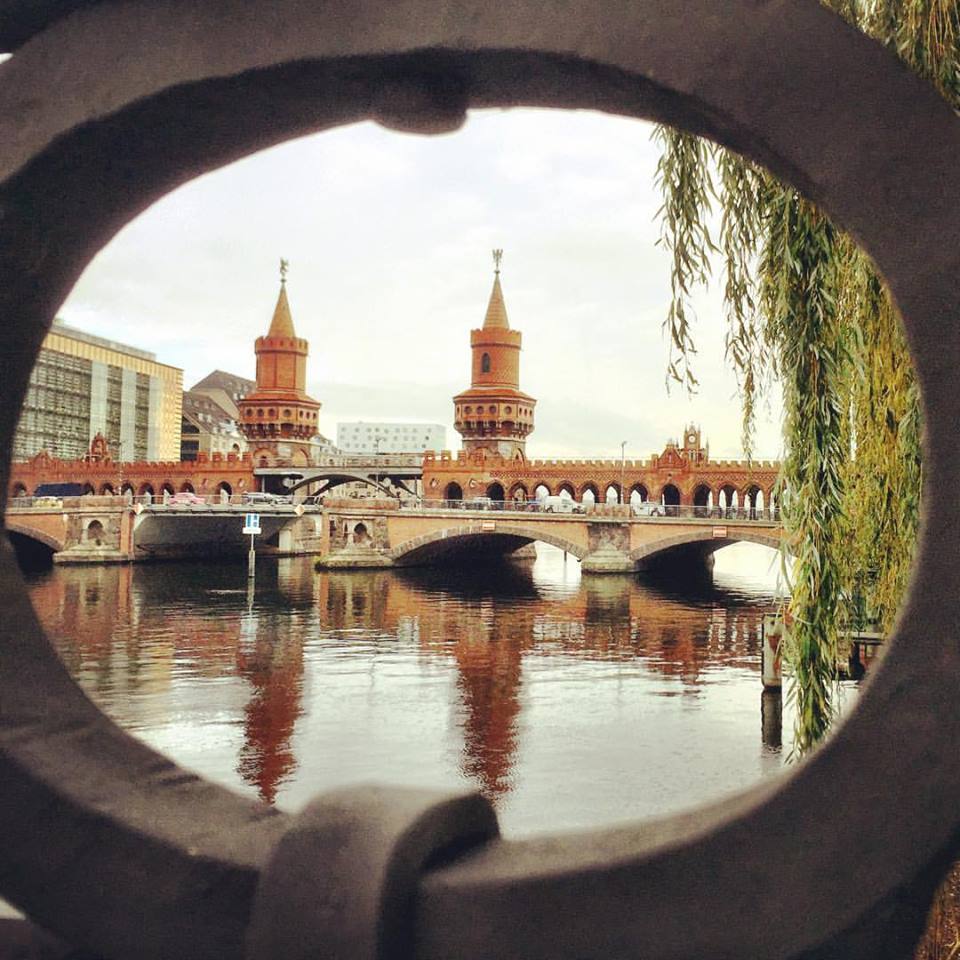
(184, 498)
(261, 496)
(560, 505)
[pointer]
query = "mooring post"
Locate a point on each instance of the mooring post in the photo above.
(771, 634)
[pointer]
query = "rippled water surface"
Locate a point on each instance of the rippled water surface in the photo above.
(570, 701)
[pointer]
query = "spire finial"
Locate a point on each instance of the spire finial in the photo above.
(284, 267)
(497, 257)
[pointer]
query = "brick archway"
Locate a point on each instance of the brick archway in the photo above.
(41, 536)
(515, 531)
(734, 535)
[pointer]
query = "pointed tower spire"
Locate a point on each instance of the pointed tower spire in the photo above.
(278, 419)
(496, 318)
(494, 414)
(282, 323)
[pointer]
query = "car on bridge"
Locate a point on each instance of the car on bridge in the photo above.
(560, 505)
(261, 496)
(184, 498)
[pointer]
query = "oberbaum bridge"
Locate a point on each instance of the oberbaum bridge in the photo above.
(118, 851)
(614, 516)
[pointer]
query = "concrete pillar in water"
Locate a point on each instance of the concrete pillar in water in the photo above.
(771, 718)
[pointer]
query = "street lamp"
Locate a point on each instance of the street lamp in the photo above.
(376, 457)
(623, 467)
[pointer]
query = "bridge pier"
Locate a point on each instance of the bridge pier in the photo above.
(609, 548)
(354, 557)
(607, 559)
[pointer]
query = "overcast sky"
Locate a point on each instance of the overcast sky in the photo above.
(389, 239)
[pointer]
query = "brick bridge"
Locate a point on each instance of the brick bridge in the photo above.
(682, 474)
(605, 538)
(92, 529)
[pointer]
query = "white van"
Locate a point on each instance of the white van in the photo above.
(560, 505)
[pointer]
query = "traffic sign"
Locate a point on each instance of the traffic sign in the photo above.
(251, 523)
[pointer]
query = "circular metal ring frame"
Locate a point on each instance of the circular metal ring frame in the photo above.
(113, 106)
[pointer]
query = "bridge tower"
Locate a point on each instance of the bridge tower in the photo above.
(278, 419)
(494, 415)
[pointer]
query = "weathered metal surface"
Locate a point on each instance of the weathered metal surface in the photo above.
(119, 851)
(22, 19)
(343, 881)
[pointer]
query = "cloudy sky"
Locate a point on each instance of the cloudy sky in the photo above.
(389, 239)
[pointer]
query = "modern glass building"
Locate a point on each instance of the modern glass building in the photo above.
(82, 385)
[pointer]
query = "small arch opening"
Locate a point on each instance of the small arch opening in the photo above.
(95, 533)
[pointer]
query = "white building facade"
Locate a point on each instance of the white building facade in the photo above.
(362, 437)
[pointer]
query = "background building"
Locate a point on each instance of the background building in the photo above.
(82, 385)
(362, 437)
(211, 417)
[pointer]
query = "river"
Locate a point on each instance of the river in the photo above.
(570, 701)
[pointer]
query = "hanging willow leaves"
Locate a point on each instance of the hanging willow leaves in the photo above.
(806, 309)
(683, 176)
(741, 186)
(800, 266)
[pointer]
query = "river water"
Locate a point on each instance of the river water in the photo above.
(570, 701)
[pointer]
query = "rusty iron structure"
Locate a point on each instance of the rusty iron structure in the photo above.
(105, 107)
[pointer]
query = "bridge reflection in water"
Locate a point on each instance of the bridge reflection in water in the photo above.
(567, 700)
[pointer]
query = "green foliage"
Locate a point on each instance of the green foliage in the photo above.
(806, 309)
(804, 330)
(684, 180)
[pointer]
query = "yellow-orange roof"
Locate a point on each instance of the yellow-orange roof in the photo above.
(496, 308)
(282, 323)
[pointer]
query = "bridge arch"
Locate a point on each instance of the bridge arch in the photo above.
(95, 532)
(639, 493)
(734, 535)
(753, 500)
(408, 550)
(33, 533)
(702, 499)
(495, 491)
(453, 491)
(589, 493)
(568, 488)
(671, 498)
(519, 492)
(728, 499)
(334, 478)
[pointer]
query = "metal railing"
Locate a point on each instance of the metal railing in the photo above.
(252, 502)
(635, 511)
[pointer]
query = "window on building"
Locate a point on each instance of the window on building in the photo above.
(485, 363)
